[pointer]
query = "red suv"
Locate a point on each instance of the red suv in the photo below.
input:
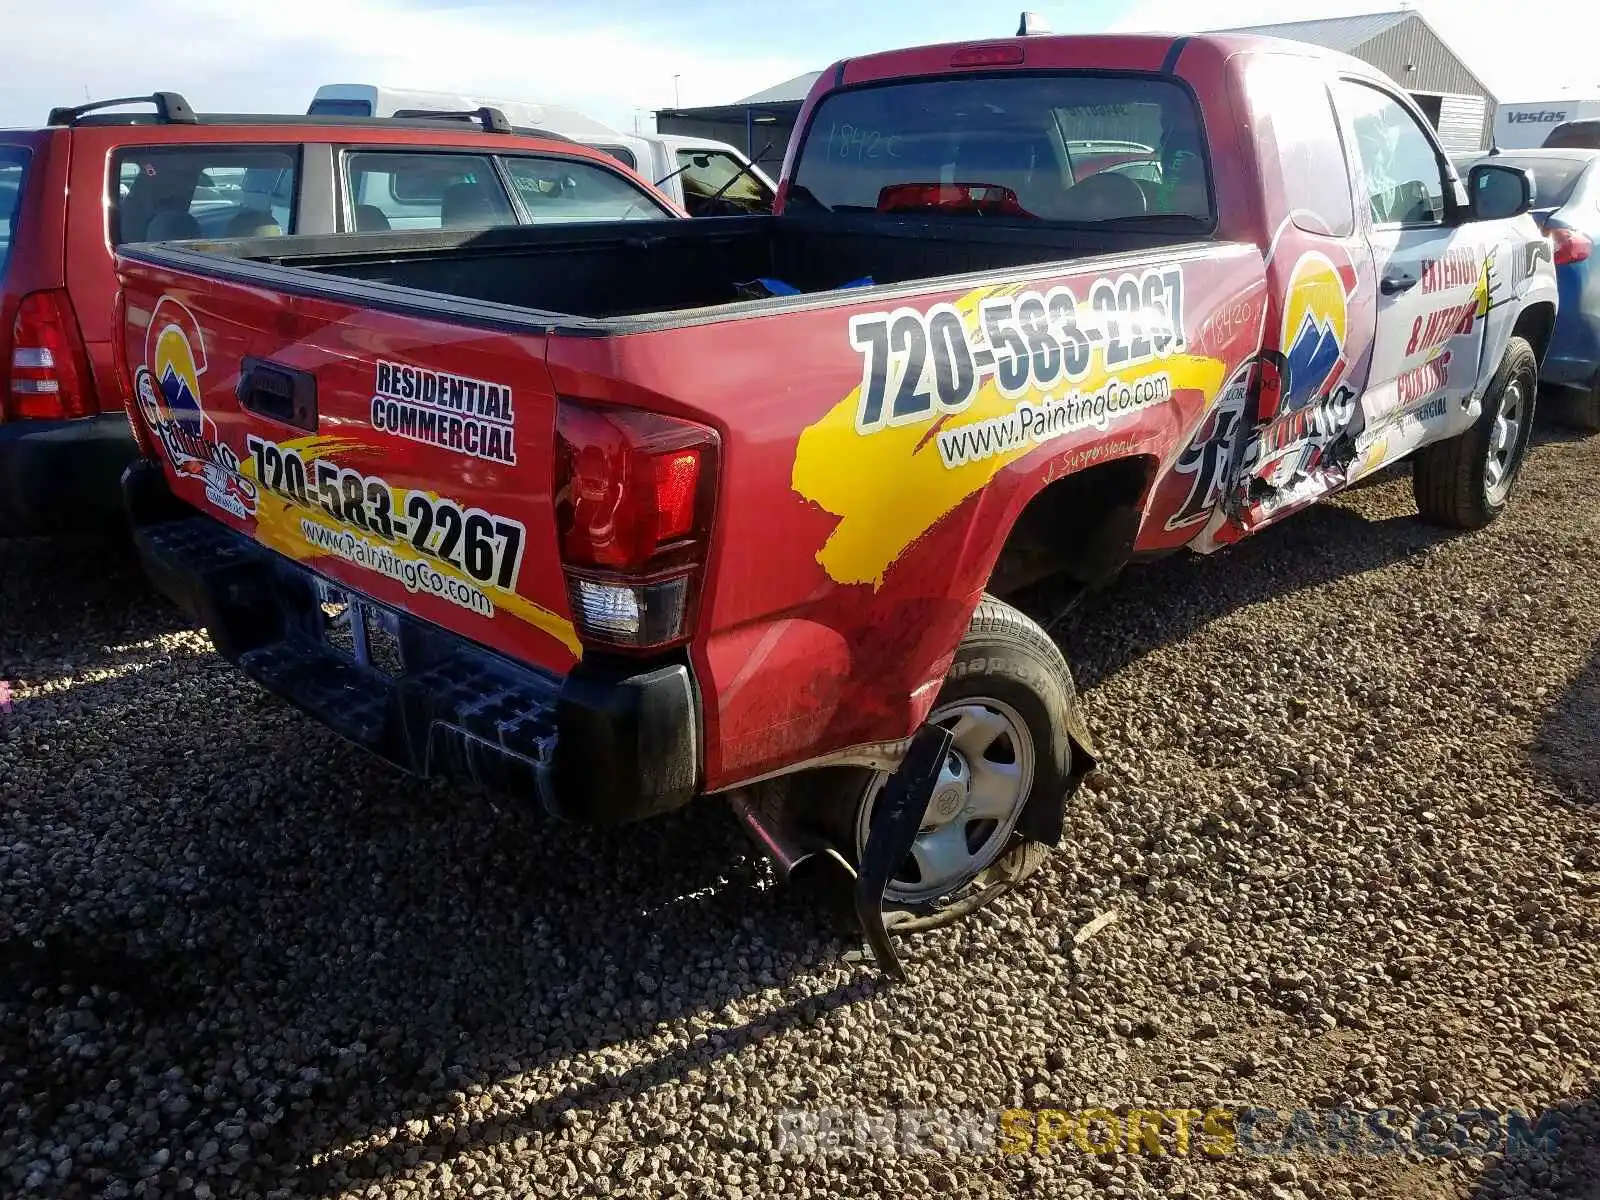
(93, 179)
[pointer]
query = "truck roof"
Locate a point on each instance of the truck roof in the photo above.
(1129, 51)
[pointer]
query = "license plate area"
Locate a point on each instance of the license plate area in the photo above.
(366, 633)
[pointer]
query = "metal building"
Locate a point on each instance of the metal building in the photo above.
(759, 125)
(1404, 47)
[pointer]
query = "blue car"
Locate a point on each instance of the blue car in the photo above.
(1567, 207)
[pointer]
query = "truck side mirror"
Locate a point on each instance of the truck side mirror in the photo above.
(1496, 191)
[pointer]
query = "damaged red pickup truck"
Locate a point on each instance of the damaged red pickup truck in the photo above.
(566, 510)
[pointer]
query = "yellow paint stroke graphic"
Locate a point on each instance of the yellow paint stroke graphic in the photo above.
(889, 487)
(278, 528)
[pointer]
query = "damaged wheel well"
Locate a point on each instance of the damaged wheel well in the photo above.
(1535, 324)
(1082, 526)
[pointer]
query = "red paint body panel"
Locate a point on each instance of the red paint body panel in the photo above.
(848, 550)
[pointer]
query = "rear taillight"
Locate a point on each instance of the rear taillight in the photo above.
(49, 373)
(634, 493)
(1568, 245)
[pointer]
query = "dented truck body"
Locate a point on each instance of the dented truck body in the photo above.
(637, 538)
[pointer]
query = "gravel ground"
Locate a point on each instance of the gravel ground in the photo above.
(1347, 824)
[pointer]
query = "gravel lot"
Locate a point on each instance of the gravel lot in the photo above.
(1349, 824)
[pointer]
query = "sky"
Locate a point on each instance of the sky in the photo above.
(620, 60)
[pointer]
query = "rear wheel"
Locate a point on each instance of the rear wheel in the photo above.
(1006, 702)
(1465, 482)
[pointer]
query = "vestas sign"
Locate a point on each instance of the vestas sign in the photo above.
(1523, 126)
(1538, 116)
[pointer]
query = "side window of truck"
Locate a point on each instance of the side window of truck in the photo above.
(168, 193)
(414, 190)
(1404, 183)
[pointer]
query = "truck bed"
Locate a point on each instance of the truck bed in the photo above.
(625, 276)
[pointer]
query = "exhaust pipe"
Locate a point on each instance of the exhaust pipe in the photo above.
(760, 811)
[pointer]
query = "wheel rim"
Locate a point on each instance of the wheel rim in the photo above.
(982, 788)
(1505, 440)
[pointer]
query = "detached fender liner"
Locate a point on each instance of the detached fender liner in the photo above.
(603, 745)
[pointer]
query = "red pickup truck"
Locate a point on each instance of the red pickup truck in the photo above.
(584, 514)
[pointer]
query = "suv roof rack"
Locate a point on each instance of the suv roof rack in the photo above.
(492, 119)
(171, 109)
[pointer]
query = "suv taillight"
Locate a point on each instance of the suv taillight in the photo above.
(1568, 245)
(634, 493)
(49, 374)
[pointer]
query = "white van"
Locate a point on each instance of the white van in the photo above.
(700, 176)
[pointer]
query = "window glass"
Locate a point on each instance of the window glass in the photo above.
(708, 173)
(1063, 146)
(1403, 179)
(340, 108)
(566, 189)
(622, 154)
(13, 166)
(1574, 135)
(406, 190)
(1300, 142)
(166, 193)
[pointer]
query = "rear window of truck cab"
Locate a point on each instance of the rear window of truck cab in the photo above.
(1070, 147)
(13, 170)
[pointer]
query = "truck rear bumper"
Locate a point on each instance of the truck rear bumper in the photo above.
(599, 746)
(61, 476)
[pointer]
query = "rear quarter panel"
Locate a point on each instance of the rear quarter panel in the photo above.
(850, 551)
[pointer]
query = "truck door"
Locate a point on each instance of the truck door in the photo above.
(1432, 277)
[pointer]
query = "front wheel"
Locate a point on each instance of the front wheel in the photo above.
(1008, 701)
(1465, 482)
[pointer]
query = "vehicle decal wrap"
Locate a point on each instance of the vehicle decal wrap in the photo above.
(953, 394)
(1316, 407)
(167, 388)
(328, 500)
(474, 417)
(312, 506)
(1417, 409)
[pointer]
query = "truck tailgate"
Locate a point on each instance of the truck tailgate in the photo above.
(335, 437)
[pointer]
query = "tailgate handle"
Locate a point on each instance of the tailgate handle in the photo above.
(278, 393)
